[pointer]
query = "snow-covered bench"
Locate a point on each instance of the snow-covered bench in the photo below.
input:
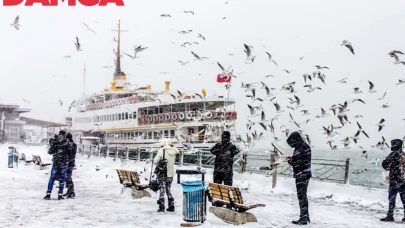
(236, 210)
(38, 161)
(130, 179)
(24, 158)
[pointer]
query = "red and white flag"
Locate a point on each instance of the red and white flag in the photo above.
(224, 78)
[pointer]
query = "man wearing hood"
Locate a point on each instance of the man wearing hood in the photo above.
(301, 164)
(59, 149)
(71, 164)
(392, 163)
(224, 153)
(165, 182)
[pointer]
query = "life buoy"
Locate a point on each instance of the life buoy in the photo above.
(155, 118)
(174, 116)
(161, 117)
(189, 115)
(181, 116)
(234, 115)
(167, 117)
(199, 115)
(208, 115)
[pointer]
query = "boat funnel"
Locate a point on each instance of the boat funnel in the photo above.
(167, 87)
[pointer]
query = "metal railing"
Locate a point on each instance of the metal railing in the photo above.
(322, 169)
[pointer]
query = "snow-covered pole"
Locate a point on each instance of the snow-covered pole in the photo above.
(107, 153)
(347, 166)
(273, 167)
(199, 157)
(127, 153)
(139, 154)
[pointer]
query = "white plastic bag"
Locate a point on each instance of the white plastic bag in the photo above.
(386, 177)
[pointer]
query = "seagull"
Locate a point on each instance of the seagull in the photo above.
(334, 147)
(185, 32)
(189, 12)
(305, 112)
(348, 45)
(358, 116)
(15, 24)
(60, 102)
(394, 52)
(252, 110)
(287, 71)
(278, 108)
(321, 67)
(307, 76)
(270, 59)
(165, 15)
(364, 154)
(183, 63)
(357, 90)
(381, 124)
(401, 81)
(201, 36)
(371, 88)
(88, 28)
(383, 96)
(248, 52)
(78, 44)
(343, 80)
(359, 100)
(361, 130)
(385, 106)
(311, 89)
(198, 57)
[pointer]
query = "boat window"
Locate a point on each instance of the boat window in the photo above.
(171, 133)
(130, 116)
(145, 135)
(134, 115)
(149, 135)
(115, 117)
(126, 115)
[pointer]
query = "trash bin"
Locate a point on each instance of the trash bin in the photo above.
(10, 159)
(194, 208)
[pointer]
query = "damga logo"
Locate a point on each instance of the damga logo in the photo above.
(56, 2)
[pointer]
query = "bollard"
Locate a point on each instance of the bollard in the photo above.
(181, 159)
(139, 154)
(347, 167)
(107, 152)
(199, 157)
(151, 154)
(127, 153)
(99, 150)
(273, 168)
(116, 153)
(244, 157)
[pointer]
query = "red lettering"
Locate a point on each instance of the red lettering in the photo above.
(89, 2)
(55, 2)
(105, 2)
(31, 2)
(12, 2)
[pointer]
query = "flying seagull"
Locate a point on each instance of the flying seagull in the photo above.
(189, 12)
(371, 88)
(348, 45)
(88, 28)
(248, 52)
(165, 15)
(381, 124)
(198, 57)
(270, 59)
(183, 63)
(383, 96)
(78, 44)
(201, 36)
(15, 24)
(397, 60)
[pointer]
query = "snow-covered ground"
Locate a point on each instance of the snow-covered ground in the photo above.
(98, 201)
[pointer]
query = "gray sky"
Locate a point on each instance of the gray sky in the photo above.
(287, 29)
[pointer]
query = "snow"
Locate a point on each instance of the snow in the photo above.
(98, 201)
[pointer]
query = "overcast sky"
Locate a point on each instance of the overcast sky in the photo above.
(31, 57)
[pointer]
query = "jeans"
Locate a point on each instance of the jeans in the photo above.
(393, 190)
(165, 183)
(220, 177)
(61, 170)
(302, 188)
(69, 180)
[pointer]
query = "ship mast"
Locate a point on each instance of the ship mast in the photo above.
(120, 77)
(84, 80)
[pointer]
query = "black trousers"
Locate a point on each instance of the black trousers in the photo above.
(223, 178)
(302, 188)
(393, 190)
(69, 180)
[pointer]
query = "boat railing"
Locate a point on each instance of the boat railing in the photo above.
(190, 116)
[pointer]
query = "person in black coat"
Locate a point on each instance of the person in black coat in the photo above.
(301, 164)
(224, 153)
(71, 165)
(59, 149)
(397, 183)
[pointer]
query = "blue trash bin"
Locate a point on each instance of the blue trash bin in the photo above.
(194, 208)
(10, 159)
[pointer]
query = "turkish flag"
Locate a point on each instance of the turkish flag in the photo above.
(223, 79)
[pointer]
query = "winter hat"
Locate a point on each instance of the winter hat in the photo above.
(69, 135)
(396, 145)
(62, 132)
(165, 142)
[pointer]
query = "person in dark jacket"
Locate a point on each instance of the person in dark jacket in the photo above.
(301, 164)
(224, 153)
(397, 183)
(59, 149)
(71, 164)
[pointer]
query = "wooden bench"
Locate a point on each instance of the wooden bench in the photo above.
(230, 196)
(24, 158)
(130, 179)
(38, 161)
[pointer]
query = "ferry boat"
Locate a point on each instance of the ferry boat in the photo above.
(140, 117)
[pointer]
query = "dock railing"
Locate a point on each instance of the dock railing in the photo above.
(272, 164)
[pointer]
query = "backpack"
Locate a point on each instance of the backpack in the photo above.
(161, 167)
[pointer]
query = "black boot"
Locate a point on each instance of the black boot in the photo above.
(300, 222)
(170, 205)
(48, 196)
(403, 220)
(60, 197)
(71, 196)
(170, 209)
(161, 203)
(388, 219)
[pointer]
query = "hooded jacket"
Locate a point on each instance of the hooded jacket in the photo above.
(391, 162)
(170, 156)
(72, 150)
(301, 159)
(60, 153)
(224, 153)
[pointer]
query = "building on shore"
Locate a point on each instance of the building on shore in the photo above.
(11, 127)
